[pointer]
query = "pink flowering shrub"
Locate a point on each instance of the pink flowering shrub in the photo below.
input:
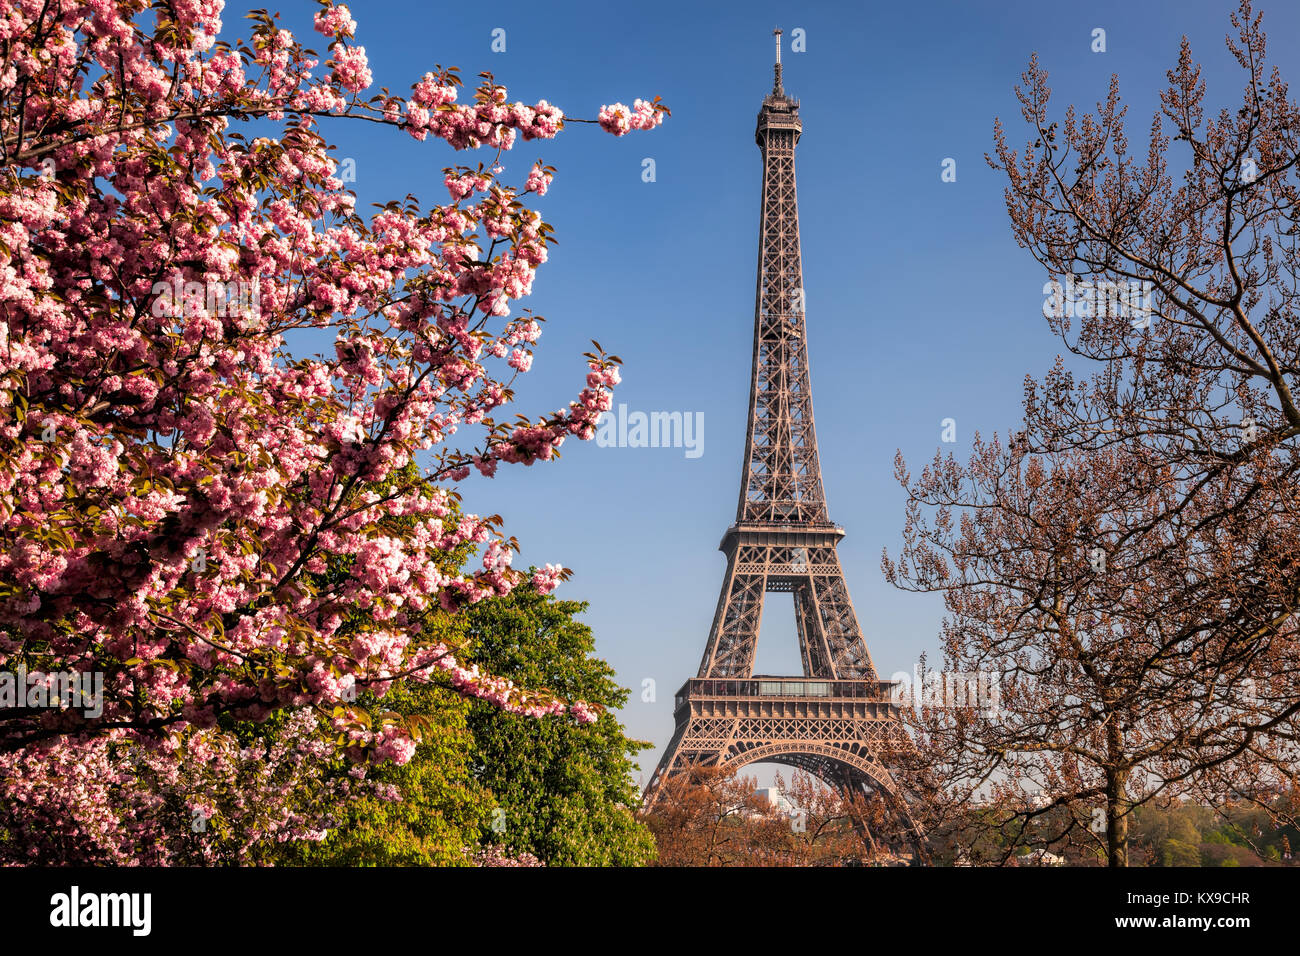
(496, 856)
(173, 481)
(191, 799)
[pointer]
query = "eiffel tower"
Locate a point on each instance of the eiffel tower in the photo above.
(837, 720)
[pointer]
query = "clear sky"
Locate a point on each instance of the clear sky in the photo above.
(920, 306)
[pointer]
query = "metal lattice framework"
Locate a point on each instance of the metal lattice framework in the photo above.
(837, 721)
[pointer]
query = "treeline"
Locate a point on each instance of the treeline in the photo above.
(715, 817)
(718, 817)
(1178, 833)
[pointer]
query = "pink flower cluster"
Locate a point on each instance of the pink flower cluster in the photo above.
(191, 798)
(618, 119)
(498, 691)
(491, 122)
(494, 855)
(466, 183)
(547, 578)
(352, 69)
(335, 22)
(539, 180)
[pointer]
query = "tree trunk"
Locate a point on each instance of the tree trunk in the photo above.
(1117, 812)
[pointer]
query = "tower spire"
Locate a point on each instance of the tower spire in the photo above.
(776, 83)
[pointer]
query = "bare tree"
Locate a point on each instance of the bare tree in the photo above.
(713, 817)
(699, 818)
(1127, 563)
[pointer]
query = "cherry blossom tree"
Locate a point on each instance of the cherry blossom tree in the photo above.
(174, 481)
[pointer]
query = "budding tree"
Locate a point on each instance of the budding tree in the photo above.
(1128, 561)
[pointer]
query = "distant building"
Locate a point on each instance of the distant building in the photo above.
(1039, 858)
(773, 798)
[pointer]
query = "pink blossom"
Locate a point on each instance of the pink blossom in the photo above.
(547, 578)
(538, 180)
(615, 119)
(351, 69)
(335, 22)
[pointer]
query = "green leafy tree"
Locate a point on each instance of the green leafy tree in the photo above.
(1178, 853)
(428, 810)
(551, 787)
(565, 790)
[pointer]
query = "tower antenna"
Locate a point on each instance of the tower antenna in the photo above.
(776, 83)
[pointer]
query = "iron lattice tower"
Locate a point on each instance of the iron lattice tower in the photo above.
(837, 721)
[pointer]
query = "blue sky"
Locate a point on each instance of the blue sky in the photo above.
(920, 306)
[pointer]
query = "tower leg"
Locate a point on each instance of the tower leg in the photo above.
(733, 639)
